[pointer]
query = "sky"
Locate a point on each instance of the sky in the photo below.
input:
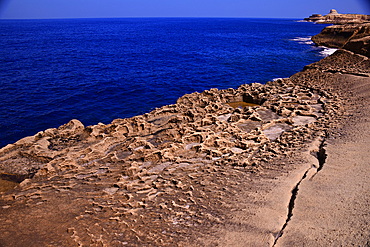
(47, 9)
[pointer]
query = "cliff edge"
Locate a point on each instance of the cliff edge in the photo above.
(335, 18)
(353, 37)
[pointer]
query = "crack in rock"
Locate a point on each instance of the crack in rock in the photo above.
(321, 157)
(291, 206)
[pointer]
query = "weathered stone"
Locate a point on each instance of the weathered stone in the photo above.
(176, 166)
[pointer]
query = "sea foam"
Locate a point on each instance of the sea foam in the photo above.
(327, 51)
(303, 40)
(324, 51)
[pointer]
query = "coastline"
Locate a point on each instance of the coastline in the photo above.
(129, 92)
(198, 172)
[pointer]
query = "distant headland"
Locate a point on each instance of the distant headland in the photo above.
(335, 18)
(351, 32)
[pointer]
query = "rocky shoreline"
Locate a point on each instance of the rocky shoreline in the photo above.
(333, 17)
(351, 37)
(350, 32)
(196, 173)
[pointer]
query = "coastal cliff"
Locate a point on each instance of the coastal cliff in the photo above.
(352, 37)
(335, 18)
(220, 167)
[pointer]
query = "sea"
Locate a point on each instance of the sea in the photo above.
(97, 70)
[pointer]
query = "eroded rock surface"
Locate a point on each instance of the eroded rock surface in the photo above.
(162, 178)
(331, 206)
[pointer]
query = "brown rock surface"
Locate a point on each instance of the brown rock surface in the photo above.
(328, 199)
(332, 208)
(159, 178)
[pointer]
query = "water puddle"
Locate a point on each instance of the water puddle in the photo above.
(241, 104)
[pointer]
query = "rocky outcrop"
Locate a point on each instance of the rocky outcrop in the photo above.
(335, 18)
(214, 124)
(352, 32)
(150, 178)
(359, 45)
(352, 37)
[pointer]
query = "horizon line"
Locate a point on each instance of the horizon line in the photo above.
(152, 17)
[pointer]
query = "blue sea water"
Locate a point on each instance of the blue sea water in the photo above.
(96, 70)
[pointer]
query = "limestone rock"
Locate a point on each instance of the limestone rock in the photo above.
(335, 18)
(352, 37)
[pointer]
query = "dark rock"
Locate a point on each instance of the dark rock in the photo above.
(360, 46)
(352, 37)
